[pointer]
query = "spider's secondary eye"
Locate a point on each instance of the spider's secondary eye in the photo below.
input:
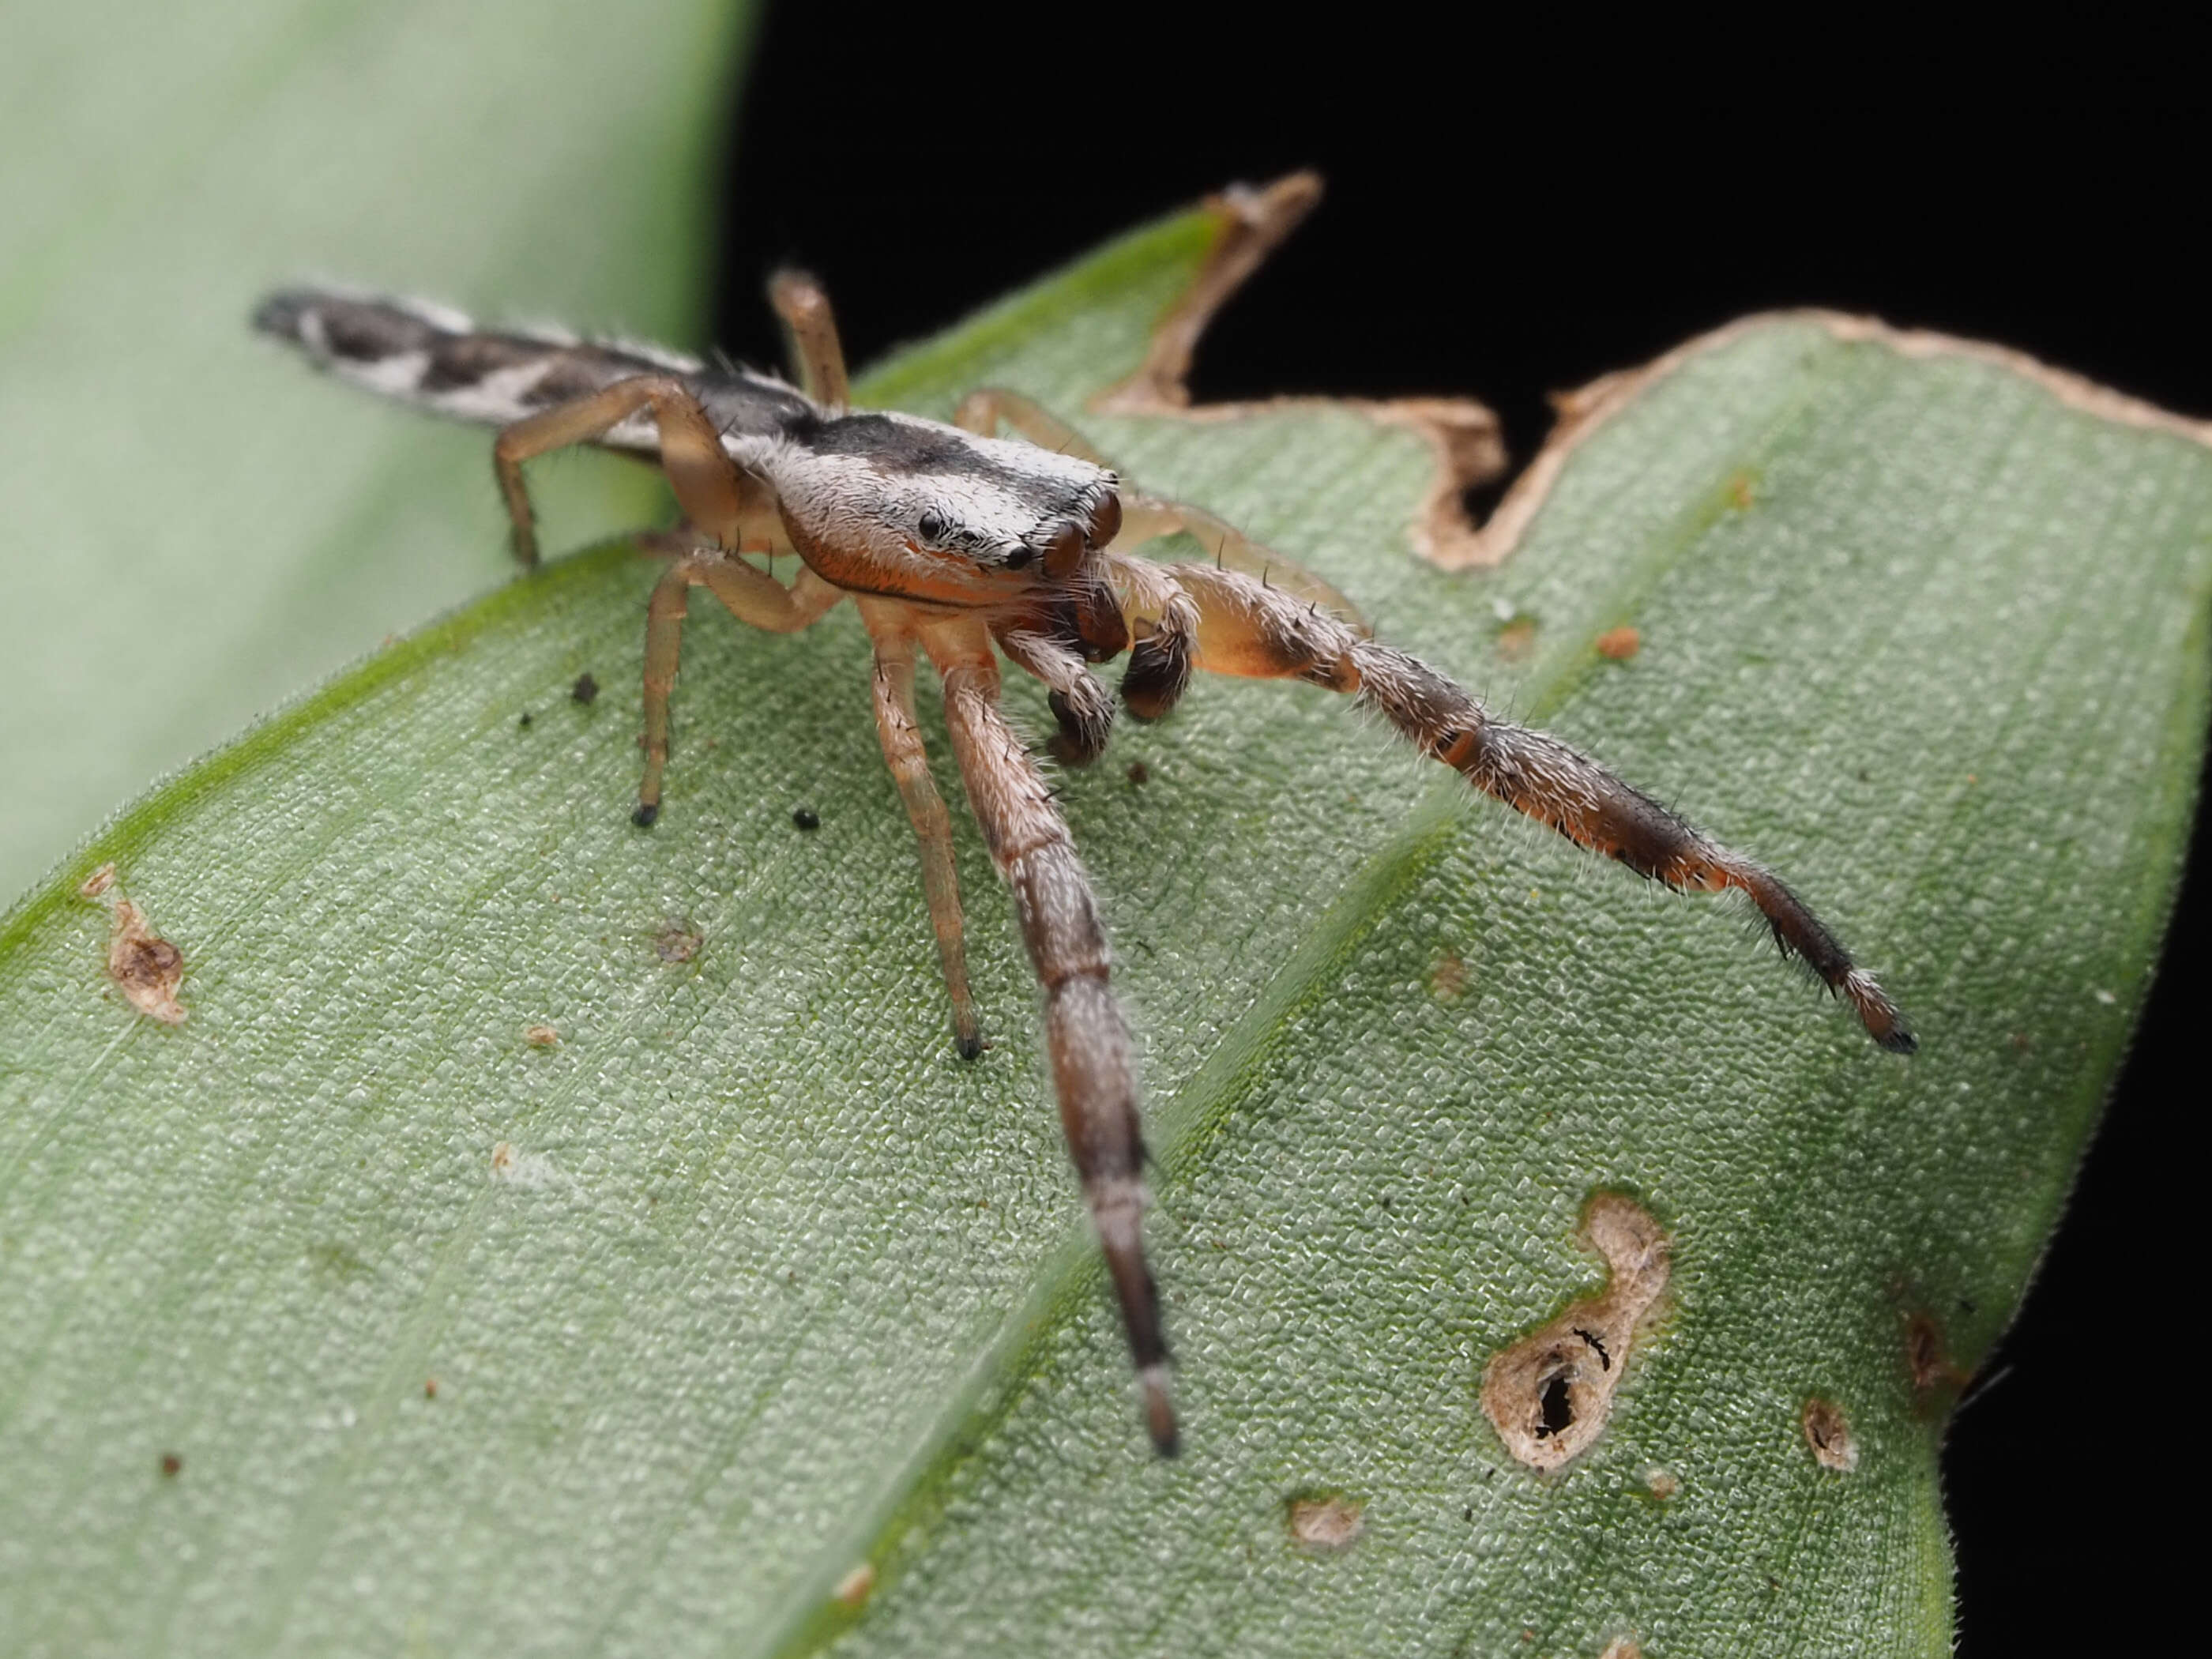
(931, 526)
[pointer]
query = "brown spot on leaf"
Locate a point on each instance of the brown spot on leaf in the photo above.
(1739, 492)
(1619, 644)
(542, 1036)
(1517, 640)
(1325, 1524)
(1447, 978)
(1935, 1380)
(430, 1388)
(586, 690)
(679, 940)
(145, 967)
(1140, 772)
(1829, 1434)
(172, 1465)
(853, 1589)
(1662, 1483)
(1549, 1395)
(1622, 1647)
(98, 882)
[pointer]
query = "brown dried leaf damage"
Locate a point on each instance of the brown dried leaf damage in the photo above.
(1583, 411)
(1326, 1524)
(1463, 436)
(145, 967)
(1828, 1432)
(1549, 1395)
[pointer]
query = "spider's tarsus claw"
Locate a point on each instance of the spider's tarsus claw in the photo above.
(647, 813)
(1159, 1411)
(1884, 1024)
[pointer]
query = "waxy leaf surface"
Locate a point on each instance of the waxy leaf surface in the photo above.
(744, 1318)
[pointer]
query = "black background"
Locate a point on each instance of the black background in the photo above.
(1510, 214)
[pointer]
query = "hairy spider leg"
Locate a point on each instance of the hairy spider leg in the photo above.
(750, 595)
(1246, 629)
(710, 486)
(720, 501)
(810, 332)
(890, 626)
(981, 411)
(1088, 1043)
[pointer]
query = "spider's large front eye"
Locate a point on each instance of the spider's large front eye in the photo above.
(1064, 551)
(931, 526)
(1106, 519)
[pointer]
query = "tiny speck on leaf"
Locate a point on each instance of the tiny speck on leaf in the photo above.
(542, 1036)
(172, 1465)
(586, 690)
(805, 818)
(98, 882)
(524, 719)
(1517, 640)
(1447, 978)
(1618, 644)
(430, 1388)
(679, 940)
(1140, 772)
(853, 1589)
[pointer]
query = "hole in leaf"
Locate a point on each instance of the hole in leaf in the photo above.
(1556, 1412)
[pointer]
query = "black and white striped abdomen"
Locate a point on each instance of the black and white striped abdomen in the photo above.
(439, 360)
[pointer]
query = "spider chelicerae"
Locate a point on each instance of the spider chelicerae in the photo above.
(961, 547)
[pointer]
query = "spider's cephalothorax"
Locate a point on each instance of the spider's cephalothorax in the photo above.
(961, 546)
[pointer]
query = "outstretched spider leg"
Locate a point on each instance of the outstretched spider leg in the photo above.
(1246, 628)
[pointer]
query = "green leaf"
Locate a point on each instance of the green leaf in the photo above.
(759, 1323)
(196, 531)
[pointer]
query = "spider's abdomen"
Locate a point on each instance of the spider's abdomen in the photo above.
(437, 359)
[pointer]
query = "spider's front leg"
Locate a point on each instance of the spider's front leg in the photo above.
(1089, 1044)
(1248, 629)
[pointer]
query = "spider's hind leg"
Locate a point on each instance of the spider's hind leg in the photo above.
(708, 484)
(810, 329)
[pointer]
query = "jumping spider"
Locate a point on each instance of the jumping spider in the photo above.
(951, 541)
